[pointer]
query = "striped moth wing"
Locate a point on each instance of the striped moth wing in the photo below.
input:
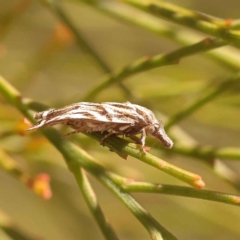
(116, 118)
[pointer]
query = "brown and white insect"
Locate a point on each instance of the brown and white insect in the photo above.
(116, 118)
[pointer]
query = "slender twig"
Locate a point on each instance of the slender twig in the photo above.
(74, 157)
(133, 186)
(123, 146)
(201, 101)
(148, 63)
(182, 191)
(126, 13)
(208, 153)
(93, 204)
(82, 43)
(56, 8)
(194, 20)
(212, 156)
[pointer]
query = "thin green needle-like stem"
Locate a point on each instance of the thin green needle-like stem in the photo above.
(75, 158)
(122, 12)
(208, 153)
(133, 186)
(148, 63)
(155, 230)
(201, 101)
(194, 20)
(122, 146)
(212, 156)
(182, 191)
(93, 204)
(56, 8)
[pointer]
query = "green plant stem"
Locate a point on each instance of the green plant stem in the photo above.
(120, 145)
(182, 191)
(212, 157)
(77, 155)
(130, 185)
(208, 153)
(75, 158)
(56, 8)
(201, 101)
(220, 28)
(93, 204)
(14, 97)
(148, 63)
(226, 57)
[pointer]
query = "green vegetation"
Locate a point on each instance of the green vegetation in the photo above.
(152, 53)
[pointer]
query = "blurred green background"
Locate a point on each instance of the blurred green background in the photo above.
(40, 57)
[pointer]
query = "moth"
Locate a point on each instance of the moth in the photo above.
(116, 118)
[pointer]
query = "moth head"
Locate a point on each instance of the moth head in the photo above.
(157, 131)
(42, 115)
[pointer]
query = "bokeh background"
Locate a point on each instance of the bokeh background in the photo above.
(42, 59)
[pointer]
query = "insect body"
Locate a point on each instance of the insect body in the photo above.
(116, 118)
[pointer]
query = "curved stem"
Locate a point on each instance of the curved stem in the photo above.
(56, 8)
(93, 204)
(148, 63)
(122, 12)
(202, 100)
(215, 27)
(182, 191)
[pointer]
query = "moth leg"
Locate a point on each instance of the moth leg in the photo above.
(135, 139)
(106, 136)
(140, 140)
(71, 133)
